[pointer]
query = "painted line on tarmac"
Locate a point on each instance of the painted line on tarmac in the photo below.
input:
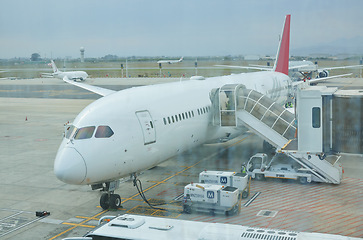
(78, 225)
(252, 199)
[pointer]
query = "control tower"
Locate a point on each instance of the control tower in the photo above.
(82, 54)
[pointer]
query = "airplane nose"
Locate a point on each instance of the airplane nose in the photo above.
(69, 166)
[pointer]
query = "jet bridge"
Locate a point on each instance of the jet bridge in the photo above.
(234, 105)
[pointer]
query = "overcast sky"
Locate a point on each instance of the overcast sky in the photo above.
(171, 27)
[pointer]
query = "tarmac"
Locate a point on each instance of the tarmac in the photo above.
(32, 117)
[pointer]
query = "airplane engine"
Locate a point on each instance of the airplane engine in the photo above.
(323, 74)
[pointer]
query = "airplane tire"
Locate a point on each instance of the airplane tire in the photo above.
(115, 201)
(104, 201)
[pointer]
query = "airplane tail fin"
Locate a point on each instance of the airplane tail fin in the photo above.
(282, 57)
(55, 69)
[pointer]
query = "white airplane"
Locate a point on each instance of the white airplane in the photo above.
(72, 75)
(306, 69)
(135, 129)
(170, 61)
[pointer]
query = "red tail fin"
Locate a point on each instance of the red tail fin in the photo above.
(282, 58)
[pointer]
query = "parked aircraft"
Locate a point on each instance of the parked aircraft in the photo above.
(170, 61)
(132, 130)
(300, 70)
(72, 75)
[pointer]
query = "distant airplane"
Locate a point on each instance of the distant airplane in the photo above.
(135, 129)
(170, 61)
(305, 69)
(72, 75)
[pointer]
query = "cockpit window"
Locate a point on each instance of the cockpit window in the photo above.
(70, 130)
(84, 133)
(103, 132)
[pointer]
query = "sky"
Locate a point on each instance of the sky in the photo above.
(176, 28)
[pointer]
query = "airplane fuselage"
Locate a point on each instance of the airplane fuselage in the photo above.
(150, 124)
(73, 75)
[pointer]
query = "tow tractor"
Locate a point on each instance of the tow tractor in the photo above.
(259, 168)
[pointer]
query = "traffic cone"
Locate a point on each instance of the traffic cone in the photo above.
(26, 118)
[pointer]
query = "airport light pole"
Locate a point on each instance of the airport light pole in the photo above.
(127, 75)
(196, 67)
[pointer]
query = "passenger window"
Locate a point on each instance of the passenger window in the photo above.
(186, 115)
(176, 117)
(169, 120)
(190, 115)
(183, 116)
(84, 133)
(316, 117)
(198, 111)
(180, 117)
(193, 113)
(164, 121)
(172, 118)
(70, 131)
(103, 132)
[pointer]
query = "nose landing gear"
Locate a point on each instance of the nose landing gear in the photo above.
(110, 200)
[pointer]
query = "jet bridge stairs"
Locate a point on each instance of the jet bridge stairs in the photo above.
(235, 106)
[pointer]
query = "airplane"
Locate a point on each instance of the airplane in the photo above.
(128, 131)
(298, 69)
(72, 75)
(170, 61)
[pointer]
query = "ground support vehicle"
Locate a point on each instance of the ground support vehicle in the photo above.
(232, 179)
(259, 168)
(211, 198)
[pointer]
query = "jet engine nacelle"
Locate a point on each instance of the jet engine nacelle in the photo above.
(323, 74)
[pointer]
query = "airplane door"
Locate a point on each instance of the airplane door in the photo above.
(147, 126)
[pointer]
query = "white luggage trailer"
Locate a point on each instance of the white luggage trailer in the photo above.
(232, 179)
(210, 198)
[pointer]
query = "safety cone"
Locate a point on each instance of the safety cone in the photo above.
(26, 118)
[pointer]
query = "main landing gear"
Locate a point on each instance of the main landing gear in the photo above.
(109, 200)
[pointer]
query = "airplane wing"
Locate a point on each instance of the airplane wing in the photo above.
(258, 67)
(342, 67)
(316, 80)
(47, 74)
(246, 67)
(94, 89)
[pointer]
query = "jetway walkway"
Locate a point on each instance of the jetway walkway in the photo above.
(235, 106)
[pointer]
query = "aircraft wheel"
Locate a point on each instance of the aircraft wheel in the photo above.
(115, 201)
(104, 201)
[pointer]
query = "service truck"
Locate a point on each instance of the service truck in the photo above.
(210, 198)
(232, 179)
(259, 168)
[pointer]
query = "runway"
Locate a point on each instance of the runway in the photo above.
(33, 113)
